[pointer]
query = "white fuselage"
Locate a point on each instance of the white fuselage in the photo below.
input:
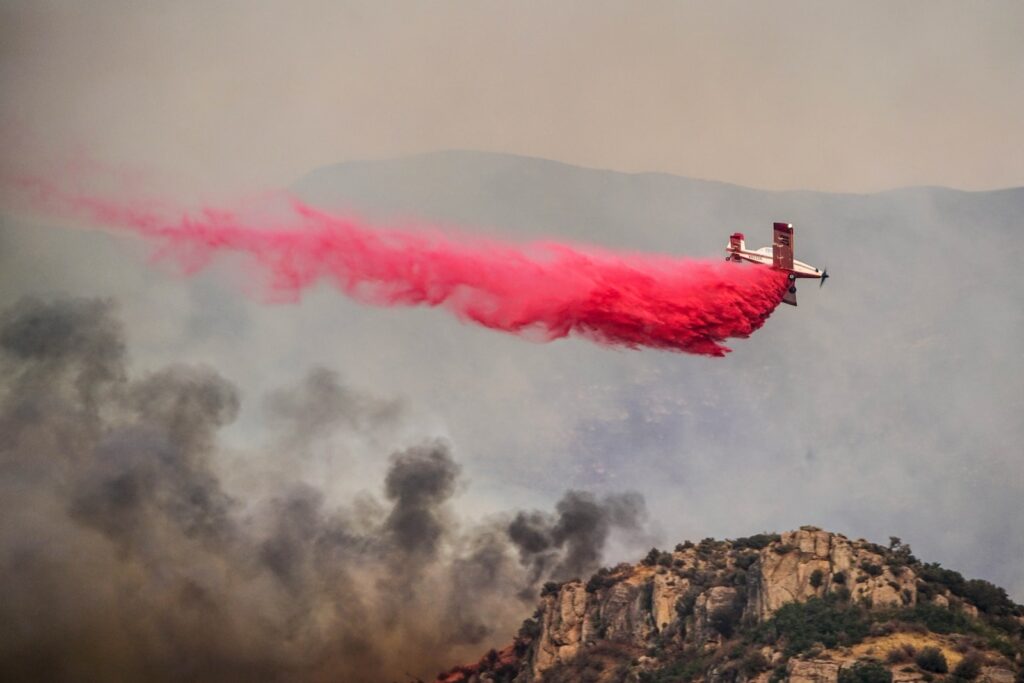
(763, 256)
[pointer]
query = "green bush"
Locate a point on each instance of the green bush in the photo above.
(685, 604)
(827, 621)
(602, 579)
(871, 568)
(931, 659)
(969, 667)
(680, 671)
(745, 560)
(937, 619)
(756, 542)
(839, 577)
(988, 597)
(754, 663)
(901, 654)
(817, 577)
(865, 672)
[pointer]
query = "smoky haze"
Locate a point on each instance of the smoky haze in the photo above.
(124, 556)
(845, 96)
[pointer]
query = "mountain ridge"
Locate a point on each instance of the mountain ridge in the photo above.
(497, 157)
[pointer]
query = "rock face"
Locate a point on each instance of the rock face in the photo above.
(817, 562)
(812, 671)
(995, 674)
(691, 601)
(563, 627)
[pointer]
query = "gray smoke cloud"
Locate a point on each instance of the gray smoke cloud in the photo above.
(123, 555)
(569, 544)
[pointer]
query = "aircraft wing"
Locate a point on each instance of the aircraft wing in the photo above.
(782, 247)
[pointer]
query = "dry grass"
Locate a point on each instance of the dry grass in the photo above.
(880, 646)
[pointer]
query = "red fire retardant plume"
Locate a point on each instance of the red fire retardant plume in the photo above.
(542, 289)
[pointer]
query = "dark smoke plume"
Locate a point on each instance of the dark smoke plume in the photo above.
(124, 557)
(569, 544)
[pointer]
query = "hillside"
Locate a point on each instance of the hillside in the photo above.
(807, 606)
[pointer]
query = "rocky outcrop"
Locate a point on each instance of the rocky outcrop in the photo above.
(562, 627)
(690, 602)
(812, 671)
(812, 563)
(996, 674)
(667, 590)
(714, 607)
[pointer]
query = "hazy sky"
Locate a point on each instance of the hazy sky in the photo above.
(853, 96)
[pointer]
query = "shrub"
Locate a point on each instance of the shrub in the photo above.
(871, 568)
(901, 654)
(685, 604)
(899, 553)
(679, 671)
(783, 548)
(549, 588)
(530, 629)
(988, 597)
(969, 667)
(745, 560)
(937, 619)
(935, 573)
(865, 672)
(756, 542)
(602, 579)
(827, 621)
(817, 576)
(931, 659)
(839, 577)
(754, 663)
(665, 559)
(652, 557)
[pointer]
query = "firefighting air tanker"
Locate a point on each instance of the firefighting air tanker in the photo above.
(779, 256)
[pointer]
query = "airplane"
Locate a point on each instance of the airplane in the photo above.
(779, 256)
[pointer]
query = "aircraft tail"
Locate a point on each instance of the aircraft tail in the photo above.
(782, 247)
(736, 245)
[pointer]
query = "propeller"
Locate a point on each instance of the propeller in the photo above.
(824, 276)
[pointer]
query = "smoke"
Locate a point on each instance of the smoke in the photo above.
(569, 544)
(123, 556)
(545, 290)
